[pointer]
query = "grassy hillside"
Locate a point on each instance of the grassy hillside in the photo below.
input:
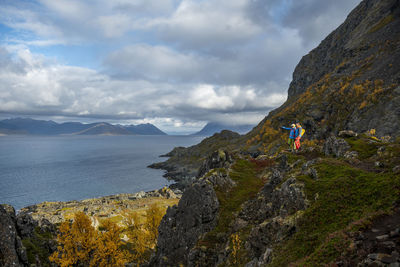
(345, 199)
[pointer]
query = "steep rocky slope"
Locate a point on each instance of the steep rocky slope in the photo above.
(351, 80)
(327, 204)
(337, 202)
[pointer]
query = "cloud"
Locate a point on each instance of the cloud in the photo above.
(313, 19)
(31, 85)
(179, 63)
(257, 64)
(207, 23)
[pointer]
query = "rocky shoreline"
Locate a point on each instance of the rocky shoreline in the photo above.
(184, 163)
(175, 169)
(102, 207)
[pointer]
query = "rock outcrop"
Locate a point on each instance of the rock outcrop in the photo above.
(23, 240)
(218, 159)
(272, 214)
(184, 164)
(12, 252)
(267, 215)
(336, 146)
(183, 225)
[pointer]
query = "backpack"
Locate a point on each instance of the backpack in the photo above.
(302, 132)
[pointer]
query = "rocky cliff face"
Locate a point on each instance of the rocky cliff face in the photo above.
(368, 26)
(24, 241)
(12, 252)
(195, 215)
(183, 225)
(351, 80)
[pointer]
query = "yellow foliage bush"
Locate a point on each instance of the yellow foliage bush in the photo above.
(358, 89)
(236, 243)
(109, 246)
(81, 245)
(143, 233)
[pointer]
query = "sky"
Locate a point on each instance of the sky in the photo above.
(175, 63)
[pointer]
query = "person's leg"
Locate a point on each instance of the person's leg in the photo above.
(299, 143)
(291, 144)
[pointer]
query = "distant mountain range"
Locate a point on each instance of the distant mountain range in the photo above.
(41, 127)
(213, 127)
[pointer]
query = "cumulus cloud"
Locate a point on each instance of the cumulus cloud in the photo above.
(175, 63)
(31, 85)
(207, 23)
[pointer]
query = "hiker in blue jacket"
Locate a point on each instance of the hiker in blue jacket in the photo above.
(292, 136)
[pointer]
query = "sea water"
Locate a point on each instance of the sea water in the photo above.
(34, 169)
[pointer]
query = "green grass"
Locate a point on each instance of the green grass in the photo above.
(244, 173)
(345, 194)
(37, 246)
(363, 147)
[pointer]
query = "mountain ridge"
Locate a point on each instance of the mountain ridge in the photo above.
(29, 126)
(212, 127)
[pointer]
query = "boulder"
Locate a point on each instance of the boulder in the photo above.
(335, 146)
(140, 195)
(218, 159)
(313, 173)
(283, 163)
(351, 155)
(26, 224)
(167, 193)
(396, 169)
(347, 133)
